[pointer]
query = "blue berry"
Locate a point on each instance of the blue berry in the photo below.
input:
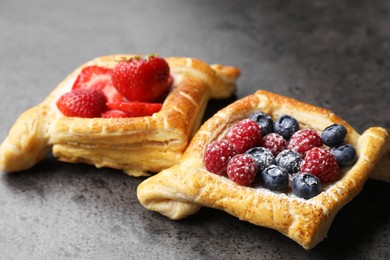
(263, 157)
(286, 126)
(274, 178)
(265, 122)
(289, 160)
(345, 154)
(306, 186)
(334, 135)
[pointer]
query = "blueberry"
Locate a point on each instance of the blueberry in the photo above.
(306, 186)
(289, 160)
(334, 135)
(265, 122)
(345, 154)
(286, 126)
(274, 178)
(263, 157)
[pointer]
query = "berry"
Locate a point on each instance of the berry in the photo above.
(275, 178)
(139, 79)
(244, 135)
(136, 109)
(306, 186)
(217, 156)
(262, 157)
(87, 103)
(114, 114)
(289, 160)
(286, 126)
(265, 122)
(242, 169)
(303, 140)
(274, 142)
(334, 135)
(95, 77)
(320, 163)
(345, 154)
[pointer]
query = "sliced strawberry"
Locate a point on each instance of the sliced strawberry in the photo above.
(96, 77)
(86, 103)
(114, 114)
(134, 109)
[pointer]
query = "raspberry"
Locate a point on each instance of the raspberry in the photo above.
(86, 103)
(303, 140)
(244, 135)
(242, 169)
(320, 163)
(217, 156)
(274, 142)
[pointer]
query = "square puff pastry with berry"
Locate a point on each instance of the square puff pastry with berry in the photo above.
(183, 189)
(137, 145)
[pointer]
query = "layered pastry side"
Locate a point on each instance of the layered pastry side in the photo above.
(275, 162)
(137, 144)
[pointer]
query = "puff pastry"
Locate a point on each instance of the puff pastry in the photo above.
(183, 189)
(136, 145)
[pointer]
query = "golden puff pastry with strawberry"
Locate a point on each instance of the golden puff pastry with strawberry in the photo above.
(128, 112)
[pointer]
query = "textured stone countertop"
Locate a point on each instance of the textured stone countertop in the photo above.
(334, 54)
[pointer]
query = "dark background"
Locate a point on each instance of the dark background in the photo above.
(333, 54)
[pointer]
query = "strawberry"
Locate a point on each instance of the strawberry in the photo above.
(96, 77)
(87, 103)
(139, 79)
(114, 114)
(134, 109)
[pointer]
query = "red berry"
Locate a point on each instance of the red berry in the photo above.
(95, 77)
(303, 140)
(274, 142)
(217, 156)
(244, 135)
(321, 163)
(86, 103)
(139, 79)
(242, 169)
(114, 114)
(135, 109)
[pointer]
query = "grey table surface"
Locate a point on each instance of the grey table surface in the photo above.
(333, 54)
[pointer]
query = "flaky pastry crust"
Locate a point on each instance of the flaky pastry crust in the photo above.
(137, 145)
(184, 188)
